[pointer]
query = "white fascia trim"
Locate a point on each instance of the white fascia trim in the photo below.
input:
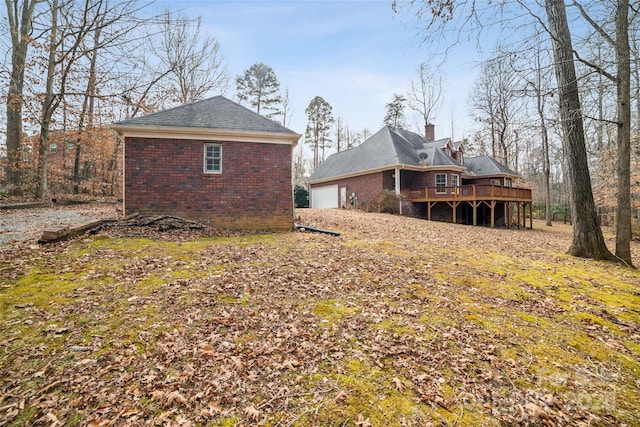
(207, 134)
(491, 175)
(386, 168)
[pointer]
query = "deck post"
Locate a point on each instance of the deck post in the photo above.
(475, 212)
(493, 206)
(429, 211)
(531, 215)
(518, 207)
(454, 207)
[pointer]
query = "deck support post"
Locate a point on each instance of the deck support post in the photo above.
(493, 212)
(454, 206)
(531, 215)
(474, 205)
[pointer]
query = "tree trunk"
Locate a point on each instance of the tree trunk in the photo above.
(623, 217)
(546, 170)
(47, 107)
(588, 241)
(87, 112)
(20, 26)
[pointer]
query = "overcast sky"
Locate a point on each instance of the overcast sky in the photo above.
(355, 54)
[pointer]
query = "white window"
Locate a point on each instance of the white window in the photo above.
(507, 182)
(212, 158)
(495, 182)
(455, 182)
(441, 183)
(53, 147)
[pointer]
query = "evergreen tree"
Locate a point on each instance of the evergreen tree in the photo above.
(320, 116)
(395, 112)
(259, 86)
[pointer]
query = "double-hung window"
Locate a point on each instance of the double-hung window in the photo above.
(455, 182)
(441, 183)
(212, 158)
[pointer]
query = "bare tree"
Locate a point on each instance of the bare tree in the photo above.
(193, 59)
(425, 94)
(538, 87)
(49, 104)
(587, 236)
(341, 134)
(20, 15)
(588, 240)
(496, 99)
(286, 108)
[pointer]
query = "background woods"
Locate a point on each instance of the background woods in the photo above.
(73, 67)
(76, 67)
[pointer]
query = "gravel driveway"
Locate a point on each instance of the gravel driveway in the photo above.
(20, 225)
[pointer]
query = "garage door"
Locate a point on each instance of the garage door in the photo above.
(324, 197)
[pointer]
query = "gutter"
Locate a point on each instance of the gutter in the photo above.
(231, 135)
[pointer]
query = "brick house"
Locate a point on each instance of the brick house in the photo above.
(212, 161)
(428, 178)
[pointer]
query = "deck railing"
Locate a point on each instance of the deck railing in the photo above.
(471, 192)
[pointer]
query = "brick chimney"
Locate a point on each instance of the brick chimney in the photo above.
(429, 132)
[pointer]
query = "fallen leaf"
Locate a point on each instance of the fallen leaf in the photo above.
(175, 397)
(157, 395)
(341, 396)
(252, 413)
(214, 407)
(52, 419)
(363, 422)
(128, 412)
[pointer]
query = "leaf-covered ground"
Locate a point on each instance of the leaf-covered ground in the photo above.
(397, 322)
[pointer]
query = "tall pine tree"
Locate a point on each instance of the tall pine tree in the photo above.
(259, 86)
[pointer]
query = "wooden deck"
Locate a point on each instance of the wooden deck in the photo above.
(471, 193)
(516, 201)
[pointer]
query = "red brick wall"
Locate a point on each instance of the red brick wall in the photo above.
(482, 181)
(254, 190)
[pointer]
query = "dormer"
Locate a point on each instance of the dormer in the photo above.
(448, 149)
(458, 152)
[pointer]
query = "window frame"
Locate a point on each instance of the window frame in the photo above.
(455, 183)
(205, 158)
(441, 189)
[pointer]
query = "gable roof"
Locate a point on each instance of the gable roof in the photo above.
(392, 147)
(213, 116)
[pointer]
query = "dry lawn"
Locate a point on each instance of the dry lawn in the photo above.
(397, 322)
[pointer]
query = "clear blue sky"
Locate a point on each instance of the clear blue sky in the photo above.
(355, 54)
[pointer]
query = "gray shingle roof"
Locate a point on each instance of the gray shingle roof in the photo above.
(387, 148)
(213, 113)
(391, 147)
(485, 165)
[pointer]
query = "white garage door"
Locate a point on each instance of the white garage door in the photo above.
(324, 197)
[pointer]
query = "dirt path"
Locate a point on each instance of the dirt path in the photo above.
(20, 225)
